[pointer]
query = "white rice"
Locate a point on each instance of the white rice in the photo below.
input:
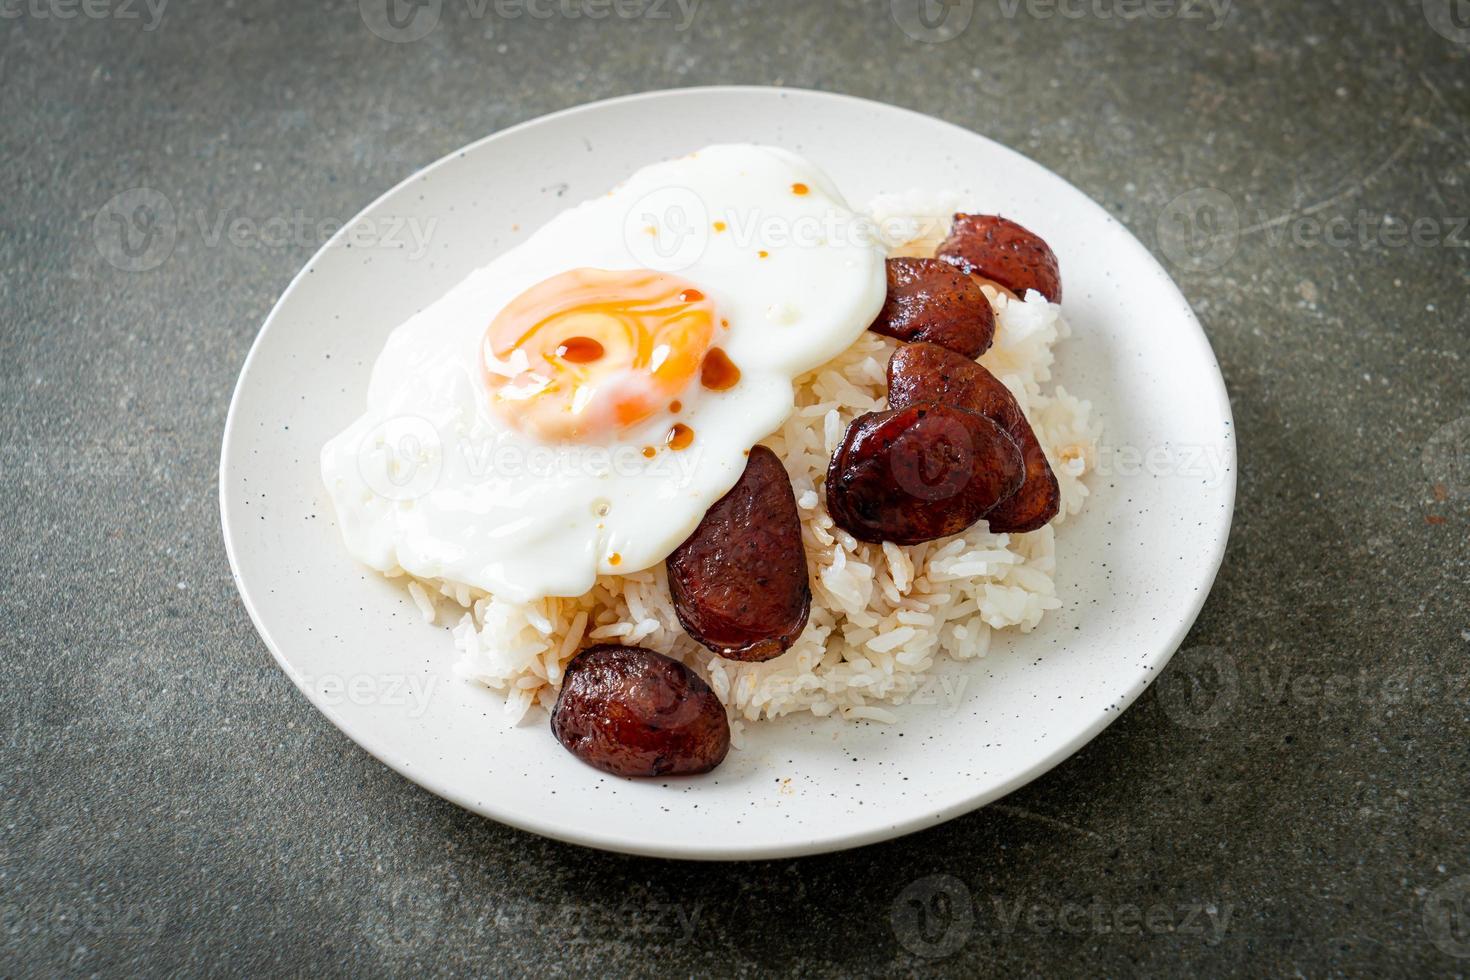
(882, 615)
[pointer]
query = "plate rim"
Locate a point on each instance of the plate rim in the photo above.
(723, 851)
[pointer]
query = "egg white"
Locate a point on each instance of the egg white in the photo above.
(431, 479)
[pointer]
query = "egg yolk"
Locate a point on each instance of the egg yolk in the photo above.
(588, 352)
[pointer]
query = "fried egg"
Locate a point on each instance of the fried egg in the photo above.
(575, 406)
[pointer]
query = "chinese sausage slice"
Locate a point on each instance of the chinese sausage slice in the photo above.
(633, 712)
(1002, 251)
(739, 583)
(927, 373)
(921, 472)
(930, 300)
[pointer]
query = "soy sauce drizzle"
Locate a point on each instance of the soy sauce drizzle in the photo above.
(580, 350)
(718, 372)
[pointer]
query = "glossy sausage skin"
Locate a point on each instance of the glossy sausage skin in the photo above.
(739, 583)
(928, 373)
(1003, 252)
(633, 712)
(930, 300)
(919, 473)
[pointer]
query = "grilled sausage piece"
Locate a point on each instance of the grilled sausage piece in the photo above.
(632, 712)
(928, 373)
(932, 301)
(739, 583)
(1003, 252)
(922, 472)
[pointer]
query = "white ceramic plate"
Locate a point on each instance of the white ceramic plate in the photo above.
(1134, 568)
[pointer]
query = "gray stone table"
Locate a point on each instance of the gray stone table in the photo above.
(1304, 166)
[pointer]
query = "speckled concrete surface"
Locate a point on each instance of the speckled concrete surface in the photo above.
(1291, 797)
